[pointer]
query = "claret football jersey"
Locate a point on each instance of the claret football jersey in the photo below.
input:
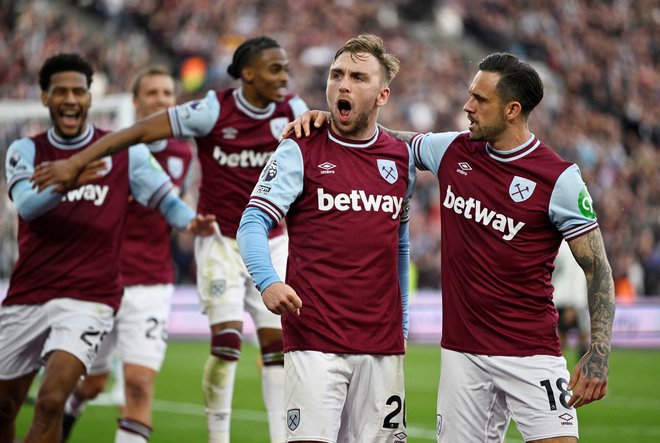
(503, 216)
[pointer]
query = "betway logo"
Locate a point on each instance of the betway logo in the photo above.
(93, 193)
(245, 159)
(472, 210)
(360, 201)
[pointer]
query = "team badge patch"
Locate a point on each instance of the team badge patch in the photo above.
(388, 171)
(293, 419)
(218, 287)
(277, 126)
(175, 166)
(585, 203)
(270, 171)
(108, 165)
(521, 189)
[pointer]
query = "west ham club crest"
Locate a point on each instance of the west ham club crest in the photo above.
(388, 171)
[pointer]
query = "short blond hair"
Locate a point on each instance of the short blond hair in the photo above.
(372, 44)
(146, 72)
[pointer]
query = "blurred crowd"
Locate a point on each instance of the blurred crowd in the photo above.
(598, 59)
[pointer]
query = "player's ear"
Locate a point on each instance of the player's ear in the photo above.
(44, 98)
(247, 74)
(513, 110)
(383, 97)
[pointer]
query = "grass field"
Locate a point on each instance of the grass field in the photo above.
(630, 412)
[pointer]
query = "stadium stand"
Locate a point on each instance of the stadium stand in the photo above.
(599, 61)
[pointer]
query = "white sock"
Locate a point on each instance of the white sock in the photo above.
(74, 405)
(122, 436)
(218, 387)
(273, 394)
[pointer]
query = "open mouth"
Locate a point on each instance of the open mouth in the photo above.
(70, 118)
(344, 108)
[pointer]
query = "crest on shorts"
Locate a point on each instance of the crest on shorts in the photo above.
(277, 126)
(218, 287)
(439, 426)
(387, 169)
(175, 166)
(293, 419)
(521, 189)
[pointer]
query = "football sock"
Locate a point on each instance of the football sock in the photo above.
(218, 383)
(131, 431)
(272, 379)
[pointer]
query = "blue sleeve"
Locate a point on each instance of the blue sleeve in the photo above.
(195, 118)
(280, 182)
(30, 204)
(429, 148)
(19, 167)
(404, 273)
(298, 106)
(149, 182)
(252, 237)
(571, 207)
(176, 211)
(152, 187)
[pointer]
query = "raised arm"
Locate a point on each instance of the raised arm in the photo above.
(63, 173)
(590, 376)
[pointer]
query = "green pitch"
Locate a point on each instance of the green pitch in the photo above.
(628, 414)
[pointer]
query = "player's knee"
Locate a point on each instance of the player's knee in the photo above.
(226, 344)
(139, 388)
(273, 354)
(50, 404)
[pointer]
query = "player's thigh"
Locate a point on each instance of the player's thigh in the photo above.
(142, 323)
(78, 327)
(102, 364)
(221, 279)
(315, 386)
(23, 332)
(537, 395)
(375, 402)
(470, 408)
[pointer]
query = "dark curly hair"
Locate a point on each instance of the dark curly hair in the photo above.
(64, 62)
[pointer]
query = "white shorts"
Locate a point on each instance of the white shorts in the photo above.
(226, 289)
(344, 397)
(140, 332)
(28, 333)
(479, 394)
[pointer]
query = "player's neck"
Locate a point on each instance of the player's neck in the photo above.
(511, 139)
(254, 98)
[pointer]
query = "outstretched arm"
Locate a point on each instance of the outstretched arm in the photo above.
(404, 136)
(304, 122)
(63, 173)
(590, 375)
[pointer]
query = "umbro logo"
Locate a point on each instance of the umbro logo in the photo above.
(464, 168)
(229, 133)
(327, 168)
(566, 419)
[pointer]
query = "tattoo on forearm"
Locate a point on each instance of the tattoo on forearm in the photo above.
(401, 135)
(589, 251)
